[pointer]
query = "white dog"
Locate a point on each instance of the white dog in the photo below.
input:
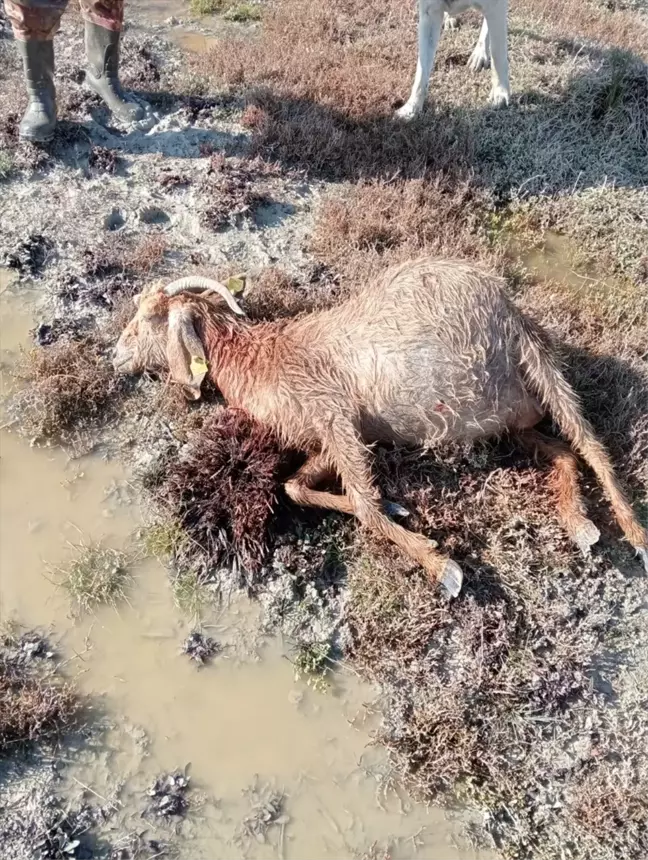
(491, 46)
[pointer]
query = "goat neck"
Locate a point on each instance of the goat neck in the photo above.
(242, 356)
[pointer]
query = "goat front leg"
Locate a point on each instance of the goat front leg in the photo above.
(346, 449)
(495, 13)
(429, 30)
(301, 489)
(564, 482)
(480, 57)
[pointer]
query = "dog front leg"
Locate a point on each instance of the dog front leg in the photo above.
(429, 30)
(496, 18)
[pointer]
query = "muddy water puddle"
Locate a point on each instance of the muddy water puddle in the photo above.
(193, 33)
(556, 260)
(157, 11)
(243, 718)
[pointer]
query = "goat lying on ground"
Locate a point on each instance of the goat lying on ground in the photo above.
(491, 46)
(433, 350)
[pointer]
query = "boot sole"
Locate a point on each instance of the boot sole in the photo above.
(36, 139)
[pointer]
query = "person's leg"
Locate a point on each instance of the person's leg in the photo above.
(35, 23)
(103, 25)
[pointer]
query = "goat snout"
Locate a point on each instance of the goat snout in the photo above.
(122, 360)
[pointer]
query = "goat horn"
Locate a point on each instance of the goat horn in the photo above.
(196, 283)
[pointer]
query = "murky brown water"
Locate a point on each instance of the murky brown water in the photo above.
(243, 716)
(555, 260)
(157, 11)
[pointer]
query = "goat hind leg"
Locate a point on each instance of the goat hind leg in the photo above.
(301, 489)
(564, 482)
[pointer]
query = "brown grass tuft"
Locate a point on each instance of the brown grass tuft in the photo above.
(275, 294)
(234, 186)
(374, 224)
(68, 390)
(35, 705)
(222, 492)
(146, 256)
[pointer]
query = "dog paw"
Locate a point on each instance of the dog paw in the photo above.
(499, 97)
(408, 112)
(479, 59)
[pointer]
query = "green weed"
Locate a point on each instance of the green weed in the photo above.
(312, 665)
(243, 13)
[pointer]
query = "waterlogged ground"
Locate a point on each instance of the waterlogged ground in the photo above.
(241, 722)
(551, 194)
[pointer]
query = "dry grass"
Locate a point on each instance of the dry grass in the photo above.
(321, 84)
(233, 187)
(68, 390)
(222, 493)
(605, 332)
(6, 163)
(35, 705)
(374, 224)
(592, 18)
(274, 294)
(96, 576)
(205, 7)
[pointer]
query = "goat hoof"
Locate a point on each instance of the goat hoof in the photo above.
(393, 509)
(479, 59)
(451, 578)
(642, 552)
(499, 97)
(585, 536)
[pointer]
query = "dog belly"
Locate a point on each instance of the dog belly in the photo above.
(456, 7)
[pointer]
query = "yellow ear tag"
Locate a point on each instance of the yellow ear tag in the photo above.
(236, 284)
(198, 366)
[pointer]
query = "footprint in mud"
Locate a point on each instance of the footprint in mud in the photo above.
(154, 216)
(115, 220)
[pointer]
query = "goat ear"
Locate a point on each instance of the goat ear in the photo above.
(185, 352)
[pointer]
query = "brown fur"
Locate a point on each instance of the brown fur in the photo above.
(432, 351)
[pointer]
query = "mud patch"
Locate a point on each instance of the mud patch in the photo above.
(199, 647)
(169, 796)
(35, 704)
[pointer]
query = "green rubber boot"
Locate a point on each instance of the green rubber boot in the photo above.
(39, 121)
(102, 54)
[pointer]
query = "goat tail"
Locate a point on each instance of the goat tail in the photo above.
(542, 374)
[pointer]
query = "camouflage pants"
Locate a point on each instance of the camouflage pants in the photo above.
(40, 19)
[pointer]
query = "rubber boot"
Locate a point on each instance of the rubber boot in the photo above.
(102, 54)
(39, 121)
